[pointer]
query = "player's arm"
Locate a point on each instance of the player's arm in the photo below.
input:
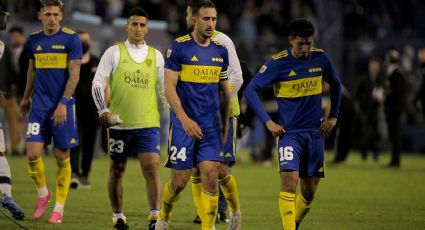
(331, 77)
(160, 80)
(224, 108)
(26, 99)
(191, 128)
(100, 85)
(267, 74)
(234, 70)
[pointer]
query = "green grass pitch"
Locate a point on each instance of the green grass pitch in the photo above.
(357, 195)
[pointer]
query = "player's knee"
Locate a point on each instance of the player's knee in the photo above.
(151, 170)
(117, 170)
(308, 195)
(223, 171)
(178, 185)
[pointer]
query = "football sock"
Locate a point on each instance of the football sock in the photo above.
(302, 206)
(196, 190)
(153, 215)
(36, 172)
(63, 179)
(208, 207)
(58, 208)
(169, 199)
(230, 191)
(5, 178)
(287, 210)
(118, 215)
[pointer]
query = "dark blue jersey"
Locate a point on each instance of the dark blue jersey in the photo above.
(51, 55)
(297, 85)
(201, 69)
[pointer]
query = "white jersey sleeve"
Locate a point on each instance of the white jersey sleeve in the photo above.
(104, 70)
(234, 71)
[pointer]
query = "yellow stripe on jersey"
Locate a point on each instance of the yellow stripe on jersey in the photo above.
(67, 30)
(51, 60)
(314, 49)
(298, 88)
(183, 39)
(200, 73)
(280, 55)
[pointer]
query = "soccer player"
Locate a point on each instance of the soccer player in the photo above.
(226, 180)
(296, 75)
(5, 177)
(53, 73)
(196, 88)
(135, 72)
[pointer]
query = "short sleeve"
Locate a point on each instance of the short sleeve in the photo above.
(172, 58)
(30, 53)
(75, 48)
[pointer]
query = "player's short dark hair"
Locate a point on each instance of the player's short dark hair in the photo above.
(138, 12)
(16, 29)
(47, 3)
(196, 5)
(301, 28)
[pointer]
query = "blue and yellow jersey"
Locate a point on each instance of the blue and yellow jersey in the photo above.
(201, 69)
(297, 85)
(51, 55)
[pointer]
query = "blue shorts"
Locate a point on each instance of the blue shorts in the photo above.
(229, 149)
(41, 128)
(128, 142)
(185, 152)
(302, 152)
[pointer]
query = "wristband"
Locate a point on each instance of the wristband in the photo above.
(63, 101)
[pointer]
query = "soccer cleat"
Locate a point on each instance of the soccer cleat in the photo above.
(84, 183)
(197, 220)
(13, 207)
(235, 222)
(222, 217)
(41, 206)
(162, 225)
(120, 225)
(55, 218)
(75, 182)
(152, 224)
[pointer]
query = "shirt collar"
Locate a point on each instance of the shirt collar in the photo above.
(128, 44)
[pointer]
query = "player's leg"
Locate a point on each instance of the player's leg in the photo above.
(208, 202)
(196, 191)
(304, 199)
(6, 183)
(310, 174)
(63, 179)
(36, 134)
(181, 161)
(147, 145)
(290, 147)
(64, 137)
(209, 158)
(119, 149)
(227, 181)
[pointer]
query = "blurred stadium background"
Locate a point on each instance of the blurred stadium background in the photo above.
(357, 195)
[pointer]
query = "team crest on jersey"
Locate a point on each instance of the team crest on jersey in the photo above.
(149, 62)
(263, 69)
(169, 51)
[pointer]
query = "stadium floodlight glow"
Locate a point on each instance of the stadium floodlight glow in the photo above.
(3, 19)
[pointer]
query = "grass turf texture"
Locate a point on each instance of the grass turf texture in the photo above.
(357, 195)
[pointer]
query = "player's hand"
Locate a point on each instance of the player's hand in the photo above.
(59, 116)
(2, 98)
(224, 131)
(191, 128)
(274, 128)
(104, 119)
(327, 125)
(25, 106)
